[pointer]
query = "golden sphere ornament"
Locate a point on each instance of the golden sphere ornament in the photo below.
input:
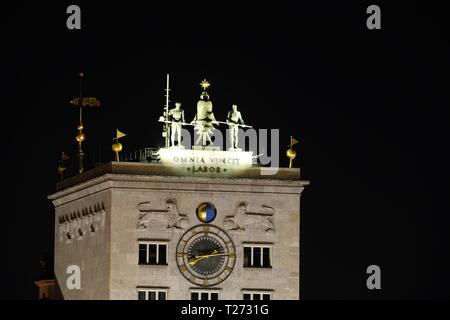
(291, 153)
(80, 137)
(117, 147)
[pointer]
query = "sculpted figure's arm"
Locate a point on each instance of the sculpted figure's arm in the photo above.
(241, 121)
(211, 116)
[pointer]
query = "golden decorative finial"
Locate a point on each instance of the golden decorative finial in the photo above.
(80, 137)
(62, 167)
(291, 153)
(117, 146)
(82, 102)
(205, 84)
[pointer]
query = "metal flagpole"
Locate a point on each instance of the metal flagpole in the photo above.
(166, 111)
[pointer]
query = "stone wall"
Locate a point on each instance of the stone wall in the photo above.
(127, 275)
(82, 238)
(99, 223)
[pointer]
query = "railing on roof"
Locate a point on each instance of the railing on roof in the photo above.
(142, 155)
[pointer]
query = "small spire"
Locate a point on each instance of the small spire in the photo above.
(62, 167)
(82, 102)
(117, 146)
(291, 153)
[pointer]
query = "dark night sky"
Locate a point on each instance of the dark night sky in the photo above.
(370, 109)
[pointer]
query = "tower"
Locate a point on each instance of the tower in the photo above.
(200, 224)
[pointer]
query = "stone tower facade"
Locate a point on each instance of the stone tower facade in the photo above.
(140, 231)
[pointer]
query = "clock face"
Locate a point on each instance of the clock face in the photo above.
(205, 255)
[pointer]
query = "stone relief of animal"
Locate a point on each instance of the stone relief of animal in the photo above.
(244, 217)
(169, 216)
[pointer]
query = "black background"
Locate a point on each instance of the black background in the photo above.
(370, 109)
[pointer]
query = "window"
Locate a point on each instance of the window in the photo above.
(257, 256)
(256, 295)
(153, 253)
(204, 295)
(152, 294)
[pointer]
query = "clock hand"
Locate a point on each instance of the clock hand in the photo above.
(193, 257)
(219, 254)
(192, 262)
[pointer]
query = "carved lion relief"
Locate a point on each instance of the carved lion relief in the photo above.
(244, 217)
(168, 216)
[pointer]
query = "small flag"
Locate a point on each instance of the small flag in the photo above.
(119, 134)
(90, 102)
(64, 157)
(293, 141)
(86, 102)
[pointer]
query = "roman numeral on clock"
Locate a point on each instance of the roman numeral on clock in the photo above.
(182, 268)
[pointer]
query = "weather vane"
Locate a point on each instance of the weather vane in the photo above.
(82, 103)
(117, 146)
(291, 153)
